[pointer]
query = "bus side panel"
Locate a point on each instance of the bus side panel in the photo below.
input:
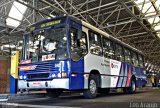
(121, 75)
(93, 62)
(125, 75)
(137, 77)
(109, 70)
(105, 78)
(144, 77)
(77, 75)
(140, 77)
(126, 72)
(129, 75)
(129, 71)
(116, 74)
(115, 71)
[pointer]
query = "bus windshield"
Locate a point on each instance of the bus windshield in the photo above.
(48, 44)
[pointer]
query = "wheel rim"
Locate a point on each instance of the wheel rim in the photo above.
(133, 86)
(93, 86)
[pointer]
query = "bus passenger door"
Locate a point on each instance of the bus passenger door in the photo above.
(78, 51)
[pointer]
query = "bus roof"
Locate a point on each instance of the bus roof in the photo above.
(109, 36)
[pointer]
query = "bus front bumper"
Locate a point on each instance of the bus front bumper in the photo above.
(55, 83)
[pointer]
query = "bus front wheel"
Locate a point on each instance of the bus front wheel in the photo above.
(53, 93)
(91, 92)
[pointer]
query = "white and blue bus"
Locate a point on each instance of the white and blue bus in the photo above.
(65, 53)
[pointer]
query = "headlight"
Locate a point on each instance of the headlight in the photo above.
(21, 77)
(53, 75)
(59, 75)
(25, 77)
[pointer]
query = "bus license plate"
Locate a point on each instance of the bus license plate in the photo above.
(36, 84)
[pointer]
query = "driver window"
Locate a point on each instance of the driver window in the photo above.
(78, 44)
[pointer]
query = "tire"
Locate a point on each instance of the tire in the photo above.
(91, 92)
(131, 89)
(53, 93)
(104, 90)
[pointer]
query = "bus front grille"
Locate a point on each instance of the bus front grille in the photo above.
(39, 75)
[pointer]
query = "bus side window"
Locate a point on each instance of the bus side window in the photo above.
(83, 43)
(119, 53)
(108, 48)
(78, 44)
(95, 43)
(134, 59)
(127, 56)
(140, 60)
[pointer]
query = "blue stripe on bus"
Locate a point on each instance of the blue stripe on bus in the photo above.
(125, 74)
(121, 74)
(119, 77)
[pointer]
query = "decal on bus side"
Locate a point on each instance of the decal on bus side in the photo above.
(115, 67)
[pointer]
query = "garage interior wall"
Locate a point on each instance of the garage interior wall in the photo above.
(4, 74)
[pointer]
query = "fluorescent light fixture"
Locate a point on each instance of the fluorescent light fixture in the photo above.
(31, 50)
(153, 20)
(12, 22)
(20, 47)
(21, 41)
(9, 46)
(157, 27)
(52, 16)
(157, 3)
(158, 35)
(16, 14)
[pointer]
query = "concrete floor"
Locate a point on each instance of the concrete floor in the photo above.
(144, 98)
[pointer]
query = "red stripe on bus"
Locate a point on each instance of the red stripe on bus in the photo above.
(129, 77)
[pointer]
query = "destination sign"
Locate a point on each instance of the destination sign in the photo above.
(46, 23)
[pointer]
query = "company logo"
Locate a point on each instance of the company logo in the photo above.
(24, 68)
(114, 65)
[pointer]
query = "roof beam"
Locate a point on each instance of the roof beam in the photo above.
(7, 3)
(133, 35)
(135, 17)
(108, 4)
(56, 8)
